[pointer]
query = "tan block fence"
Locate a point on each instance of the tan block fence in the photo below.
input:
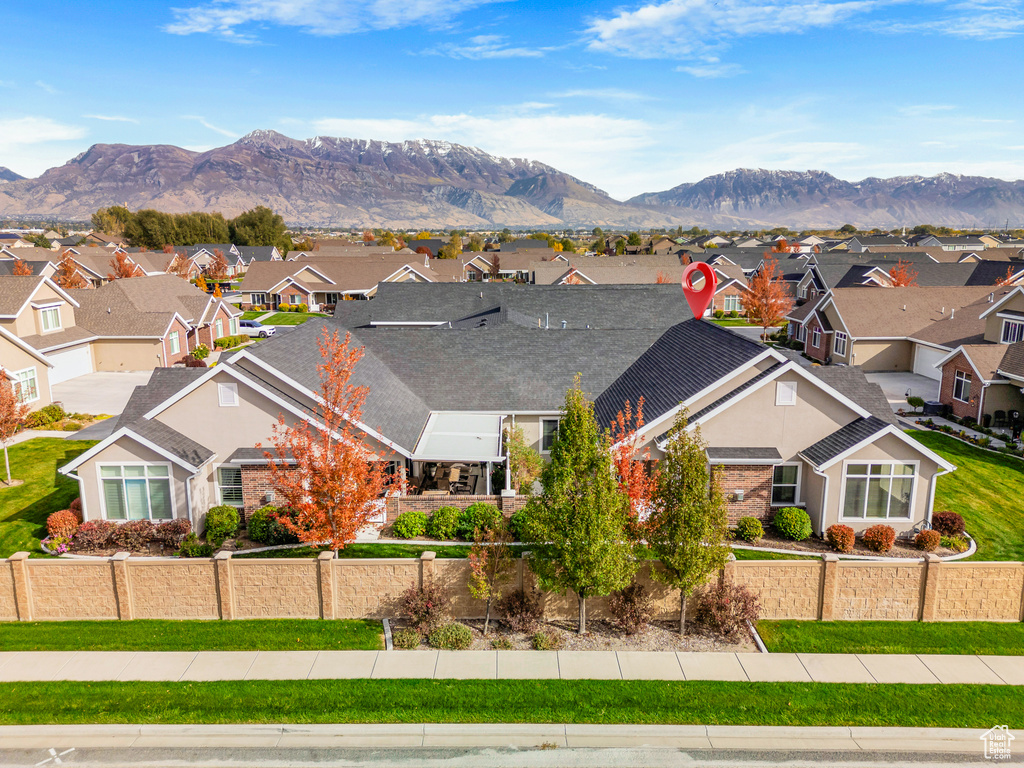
(222, 587)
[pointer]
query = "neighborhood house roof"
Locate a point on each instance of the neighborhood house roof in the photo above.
(843, 439)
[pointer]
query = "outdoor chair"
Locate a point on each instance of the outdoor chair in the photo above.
(999, 419)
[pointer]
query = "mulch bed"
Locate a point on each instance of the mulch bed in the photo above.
(815, 546)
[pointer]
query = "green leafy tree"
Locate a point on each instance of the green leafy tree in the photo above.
(476, 243)
(578, 528)
(688, 526)
(490, 566)
(620, 247)
(524, 462)
(634, 239)
(260, 226)
(568, 246)
(598, 233)
(847, 229)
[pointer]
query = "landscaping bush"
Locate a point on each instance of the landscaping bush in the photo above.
(226, 342)
(841, 537)
(501, 644)
(76, 507)
(303, 307)
(880, 538)
(94, 534)
(792, 523)
(451, 637)
(62, 523)
(517, 524)
(57, 544)
(479, 516)
(547, 640)
(221, 523)
(915, 402)
(522, 610)
(201, 352)
(406, 639)
(956, 543)
(410, 525)
(749, 529)
(259, 524)
(719, 314)
(725, 609)
(193, 547)
(733, 313)
(443, 523)
(426, 608)
(133, 535)
(173, 532)
(631, 608)
(928, 541)
(191, 362)
(948, 523)
(45, 416)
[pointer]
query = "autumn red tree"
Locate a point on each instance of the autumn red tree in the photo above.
(634, 479)
(781, 246)
(12, 414)
(168, 248)
(768, 300)
(323, 470)
(216, 292)
(217, 269)
(201, 283)
(902, 276)
(367, 236)
(21, 268)
(122, 266)
(1006, 279)
(67, 275)
(662, 278)
(179, 266)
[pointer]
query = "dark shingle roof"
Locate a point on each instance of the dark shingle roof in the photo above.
(172, 441)
(843, 439)
(720, 453)
(164, 383)
(850, 381)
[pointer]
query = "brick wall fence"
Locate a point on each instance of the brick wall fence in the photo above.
(122, 587)
(429, 504)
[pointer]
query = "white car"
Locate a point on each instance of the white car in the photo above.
(256, 328)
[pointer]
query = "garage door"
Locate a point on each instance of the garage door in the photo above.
(70, 363)
(925, 359)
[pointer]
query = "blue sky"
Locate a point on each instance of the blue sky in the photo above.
(632, 97)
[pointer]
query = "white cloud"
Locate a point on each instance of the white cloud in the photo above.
(28, 144)
(712, 68)
(47, 87)
(486, 47)
(616, 94)
(232, 19)
(925, 110)
(206, 124)
(112, 118)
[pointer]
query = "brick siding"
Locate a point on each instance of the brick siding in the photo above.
(756, 483)
(949, 370)
(820, 352)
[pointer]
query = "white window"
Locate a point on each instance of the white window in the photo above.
(785, 485)
(229, 486)
(1013, 331)
(839, 344)
(294, 299)
(137, 492)
(331, 298)
(25, 386)
(259, 299)
(816, 337)
(227, 394)
(962, 387)
(233, 326)
(878, 491)
(548, 434)
(175, 342)
(732, 304)
(219, 325)
(51, 319)
(803, 292)
(785, 393)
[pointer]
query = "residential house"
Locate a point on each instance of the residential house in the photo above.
(779, 434)
(860, 243)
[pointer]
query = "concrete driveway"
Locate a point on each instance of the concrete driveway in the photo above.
(897, 385)
(96, 393)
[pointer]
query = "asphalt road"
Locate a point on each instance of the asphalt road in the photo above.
(426, 757)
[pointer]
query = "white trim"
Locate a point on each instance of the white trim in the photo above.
(878, 520)
(966, 378)
(785, 393)
(35, 377)
(816, 336)
(835, 344)
(127, 518)
(216, 480)
(306, 267)
(117, 435)
(37, 354)
(798, 495)
(558, 423)
(1002, 329)
(995, 307)
(406, 268)
(227, 394)
(888, 430)
(42, 281)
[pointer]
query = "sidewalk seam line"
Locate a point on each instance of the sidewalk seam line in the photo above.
(994, 671)
(619, 665)
(801, 661)
(61, 668)
(184, 672)
(310, 672)
(866, 668)
(930, 672)
(249, 668)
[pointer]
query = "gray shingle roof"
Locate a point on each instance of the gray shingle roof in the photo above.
(164, 383)
(843, 439)
(172, 441)
(850, 381)
(720, 453)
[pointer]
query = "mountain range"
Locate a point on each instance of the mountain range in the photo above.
(344, 182)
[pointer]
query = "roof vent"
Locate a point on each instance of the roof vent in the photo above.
(952, 313)
(546, 324)
(991, 298)
(904, 307)
(564, 323)
(108, 310)
(481, 294)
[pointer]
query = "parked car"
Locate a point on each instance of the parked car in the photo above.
(256, 328)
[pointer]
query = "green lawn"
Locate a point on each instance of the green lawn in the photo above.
(250, 314)
(512, 701)
(155, 635)
(987, 489)
(971, 637)
(747, 554)
(290, 318)
(384, 550)
(24, 508)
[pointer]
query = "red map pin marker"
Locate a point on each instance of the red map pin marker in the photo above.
(699, 300)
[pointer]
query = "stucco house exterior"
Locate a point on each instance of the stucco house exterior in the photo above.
(449, 367)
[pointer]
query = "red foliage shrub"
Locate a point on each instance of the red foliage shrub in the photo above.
(76, 507)
(522, 610)
(62, 523)
(426, 608)
(93, 534)
(880, 538)
(631, 608)
(173, 532)
(928, 540)
(192, 362)
(133, 535)
(725, 609)
(948, 523)
(841, 537)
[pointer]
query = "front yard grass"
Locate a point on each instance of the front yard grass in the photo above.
(159, 635)
(24, 508)
(963, 637)
(987, 489)
(512, 701)
(290, 318)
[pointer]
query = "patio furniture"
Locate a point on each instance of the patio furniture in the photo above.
(999, 419)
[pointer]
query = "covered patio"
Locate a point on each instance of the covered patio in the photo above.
(456, 455)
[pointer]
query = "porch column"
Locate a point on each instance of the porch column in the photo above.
(508, 473)
(488, 478)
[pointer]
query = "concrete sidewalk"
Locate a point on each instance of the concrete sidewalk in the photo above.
(509, 665)
(603, 736)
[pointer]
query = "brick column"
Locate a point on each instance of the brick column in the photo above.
(325, 571)
(22, 589)
(728, 572)
(930, 575)
(427, 569)
(122, 590)
(829, 587)
(225, 587)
